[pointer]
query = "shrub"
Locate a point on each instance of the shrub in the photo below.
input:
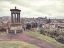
(60, 39)
(62, 33)
(28, 26)
(54, 34)
(42, 31)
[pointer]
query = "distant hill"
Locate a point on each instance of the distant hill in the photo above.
(5, 17)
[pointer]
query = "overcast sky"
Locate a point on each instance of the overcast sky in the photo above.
(34, 8)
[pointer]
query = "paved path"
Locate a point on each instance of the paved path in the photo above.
(25, 38)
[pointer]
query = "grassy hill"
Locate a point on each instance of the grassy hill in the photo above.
(45, 38)
(16, 44)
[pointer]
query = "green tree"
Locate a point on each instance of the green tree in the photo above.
(60, 39)
(42, 31)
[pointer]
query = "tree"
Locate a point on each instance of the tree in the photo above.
(34, 25)
(54, 34)
(28, 26)
(60, 39)
(42, 31)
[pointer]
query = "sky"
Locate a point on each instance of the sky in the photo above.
(34, 8)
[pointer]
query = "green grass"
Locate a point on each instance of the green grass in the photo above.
(46, 38)
(1, 39)
(16, 44)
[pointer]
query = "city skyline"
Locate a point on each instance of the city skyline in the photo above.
(34, 8)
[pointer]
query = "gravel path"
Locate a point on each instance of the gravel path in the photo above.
(25, 38)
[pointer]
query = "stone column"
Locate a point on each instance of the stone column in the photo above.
(12, 17)
(15, 18)
(7, 31)
(19, 17)
(15, 31)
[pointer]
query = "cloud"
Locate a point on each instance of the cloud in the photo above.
(34, 8)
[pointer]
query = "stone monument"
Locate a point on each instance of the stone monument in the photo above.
(15, 26)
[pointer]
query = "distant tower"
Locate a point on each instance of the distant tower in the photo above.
(15, 15)
(45, 17)
(49, 20)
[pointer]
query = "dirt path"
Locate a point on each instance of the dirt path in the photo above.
(25, 38)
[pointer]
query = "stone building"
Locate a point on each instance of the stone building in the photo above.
(60, 28)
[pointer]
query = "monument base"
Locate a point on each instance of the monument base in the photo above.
(15, 28)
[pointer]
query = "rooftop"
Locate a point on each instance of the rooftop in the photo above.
(15, 9)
